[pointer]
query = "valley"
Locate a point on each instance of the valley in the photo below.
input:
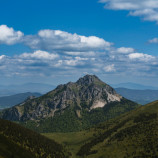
(72, 141)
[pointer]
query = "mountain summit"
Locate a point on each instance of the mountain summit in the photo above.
(88, 90)
(72, 106)
(88, 79)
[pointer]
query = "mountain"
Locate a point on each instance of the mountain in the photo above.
(130, 85)
(71, 107)
(132, 135)
(140, 96)
(7, 90)
(19, 142)
(9, 101)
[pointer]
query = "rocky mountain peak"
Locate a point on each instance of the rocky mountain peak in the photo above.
(72, 106)
(89, 92)
(88, 79)
(89, 89)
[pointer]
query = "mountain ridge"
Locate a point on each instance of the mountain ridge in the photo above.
(134, 86)
(80, 104)
(9, 101)
(140, 96)
(7, 90)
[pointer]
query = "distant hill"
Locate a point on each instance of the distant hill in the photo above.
(28, 87)
(71, 107)
(130, 85)
(19, 142)
(132, 135)
(9, 101)
(139, 96)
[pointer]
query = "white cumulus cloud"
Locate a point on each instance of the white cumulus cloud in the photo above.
(88, 53)
(43, 55)
(147, 9)
(58, 52)
(141, 57)
(154, 40)
(2, 57)
(9, 36)
(125, 50)
(109, 68)
(64, 41)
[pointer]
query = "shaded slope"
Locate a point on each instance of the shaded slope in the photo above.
(9, 149)
(132, 135)
(26, 143)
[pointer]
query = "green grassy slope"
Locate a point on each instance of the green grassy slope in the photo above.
(132, 135)
(72, 140)
(19, 142)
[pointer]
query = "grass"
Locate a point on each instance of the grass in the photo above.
(72, 140)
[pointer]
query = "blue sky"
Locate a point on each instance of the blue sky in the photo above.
(114, 39)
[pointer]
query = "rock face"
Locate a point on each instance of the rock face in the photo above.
(88, 92)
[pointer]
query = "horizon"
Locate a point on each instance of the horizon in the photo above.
(114, 85)
(57, 42)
